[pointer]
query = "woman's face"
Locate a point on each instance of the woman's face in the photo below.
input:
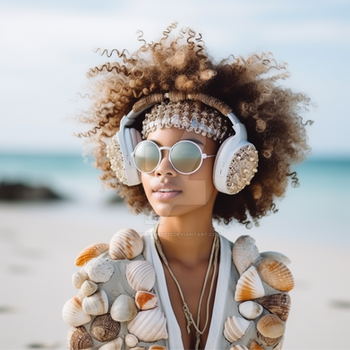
(173, 194)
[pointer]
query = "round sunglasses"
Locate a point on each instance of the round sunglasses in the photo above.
(185, 156)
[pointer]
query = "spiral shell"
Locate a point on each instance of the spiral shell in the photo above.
(141, 275)
(249, 286)
(149, 325)
(88, 288)
(278, 304)
(99, 270)
(276, 256)
(104, 328)
(276, 274)
(253, 345)
(244, 253)
(116, 344)
(92, 251)
(79, 278)
(125, 244)
(146, 300)
(79, 339)
(235, 328)
(73, 313)
(96, 304)
(250, 309)
(124, 308)
(270, 326)
(131, 340)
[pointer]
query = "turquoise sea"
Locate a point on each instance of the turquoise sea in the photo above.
(317, 210)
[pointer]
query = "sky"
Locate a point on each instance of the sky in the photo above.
(47, 46)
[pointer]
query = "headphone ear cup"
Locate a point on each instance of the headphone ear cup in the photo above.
(235, 165)
(135, 136)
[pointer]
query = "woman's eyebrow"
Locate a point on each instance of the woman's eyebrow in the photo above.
(195, 141)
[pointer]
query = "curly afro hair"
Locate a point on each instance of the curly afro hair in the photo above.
(250, 86)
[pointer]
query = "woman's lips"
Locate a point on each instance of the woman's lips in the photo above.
(166, 193)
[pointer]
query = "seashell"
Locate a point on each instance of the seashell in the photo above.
(149, 325)
(141, 275)
(92, 251)
(244, 253)
(124, 308)
(250, 309)
(249, 286)
(73, 313)
(138, 348)
(253, 345)
(88, 288)
(276, 274)
(276, 256)
(125, 244)
(235, 328)
(104, 328)
(79, 278)
(238, 347)
(131, 340)
(116, 344)
(99, 270)
(157, 347)
(269, 341)
(96, 304)
(79, 339)
(280, 344)
(146, 300)
(270, 326)
(278, 304)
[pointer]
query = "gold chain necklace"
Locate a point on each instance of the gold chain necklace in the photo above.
(212, 262)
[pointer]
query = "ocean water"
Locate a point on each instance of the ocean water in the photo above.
(316, 211)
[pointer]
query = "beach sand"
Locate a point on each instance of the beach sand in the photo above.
(38, 245)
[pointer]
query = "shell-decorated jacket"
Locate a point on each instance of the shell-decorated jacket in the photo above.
(117, 304)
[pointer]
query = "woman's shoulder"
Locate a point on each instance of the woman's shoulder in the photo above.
(116, 305)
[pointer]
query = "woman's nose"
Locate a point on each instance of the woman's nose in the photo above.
(165, 168)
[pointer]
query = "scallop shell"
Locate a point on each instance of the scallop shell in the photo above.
(124, 308)
(276, 256)
(92, 251)
(244, 253)
(269, 341)
(250, 309)
(88, 288)
(235, 328)
(116, 344)
(278, 304)
(146, 300)
(141, 275)
(276, 274)
(104, 328)
(79, 339)
(253, 345)
(157, 347)
(249, 286)
(270, 326)
(149, 325)
(96, 304)
(99, 270)
(79, 278)
(238, 347)
(125, 244)
(131, 340)
(73, 313)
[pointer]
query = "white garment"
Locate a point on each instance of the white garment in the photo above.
(224, 304)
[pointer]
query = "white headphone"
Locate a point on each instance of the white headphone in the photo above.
(235, 163)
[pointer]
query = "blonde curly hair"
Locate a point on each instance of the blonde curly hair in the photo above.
(249, 86)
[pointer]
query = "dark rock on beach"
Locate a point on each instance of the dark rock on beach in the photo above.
(21, 192)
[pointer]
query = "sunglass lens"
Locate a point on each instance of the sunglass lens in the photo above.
(146, 156)
(186, 157)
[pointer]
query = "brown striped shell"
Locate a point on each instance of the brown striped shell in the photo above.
(276, 274)
(249, 286)
(92, 251)
(270, 326)
(278, 304)
(104, 328)
(79, 339)
(235, 328)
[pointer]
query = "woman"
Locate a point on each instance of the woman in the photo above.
(189, 141)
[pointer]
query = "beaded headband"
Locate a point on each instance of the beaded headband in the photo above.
(186, 115)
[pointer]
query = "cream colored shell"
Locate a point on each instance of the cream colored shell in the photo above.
(249, 286)
(131, 340)
(238, 347)
(123, 309)
(250, 309)
(79, 278)
(99, 270)
(96, 304)
(244, 253)
(73, 313)
(125, 244)
(116, 344)
(235, 328)
(141, 275)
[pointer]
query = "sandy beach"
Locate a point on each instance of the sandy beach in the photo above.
(38, 244)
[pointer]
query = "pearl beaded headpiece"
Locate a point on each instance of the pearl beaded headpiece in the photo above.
(189, 116)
